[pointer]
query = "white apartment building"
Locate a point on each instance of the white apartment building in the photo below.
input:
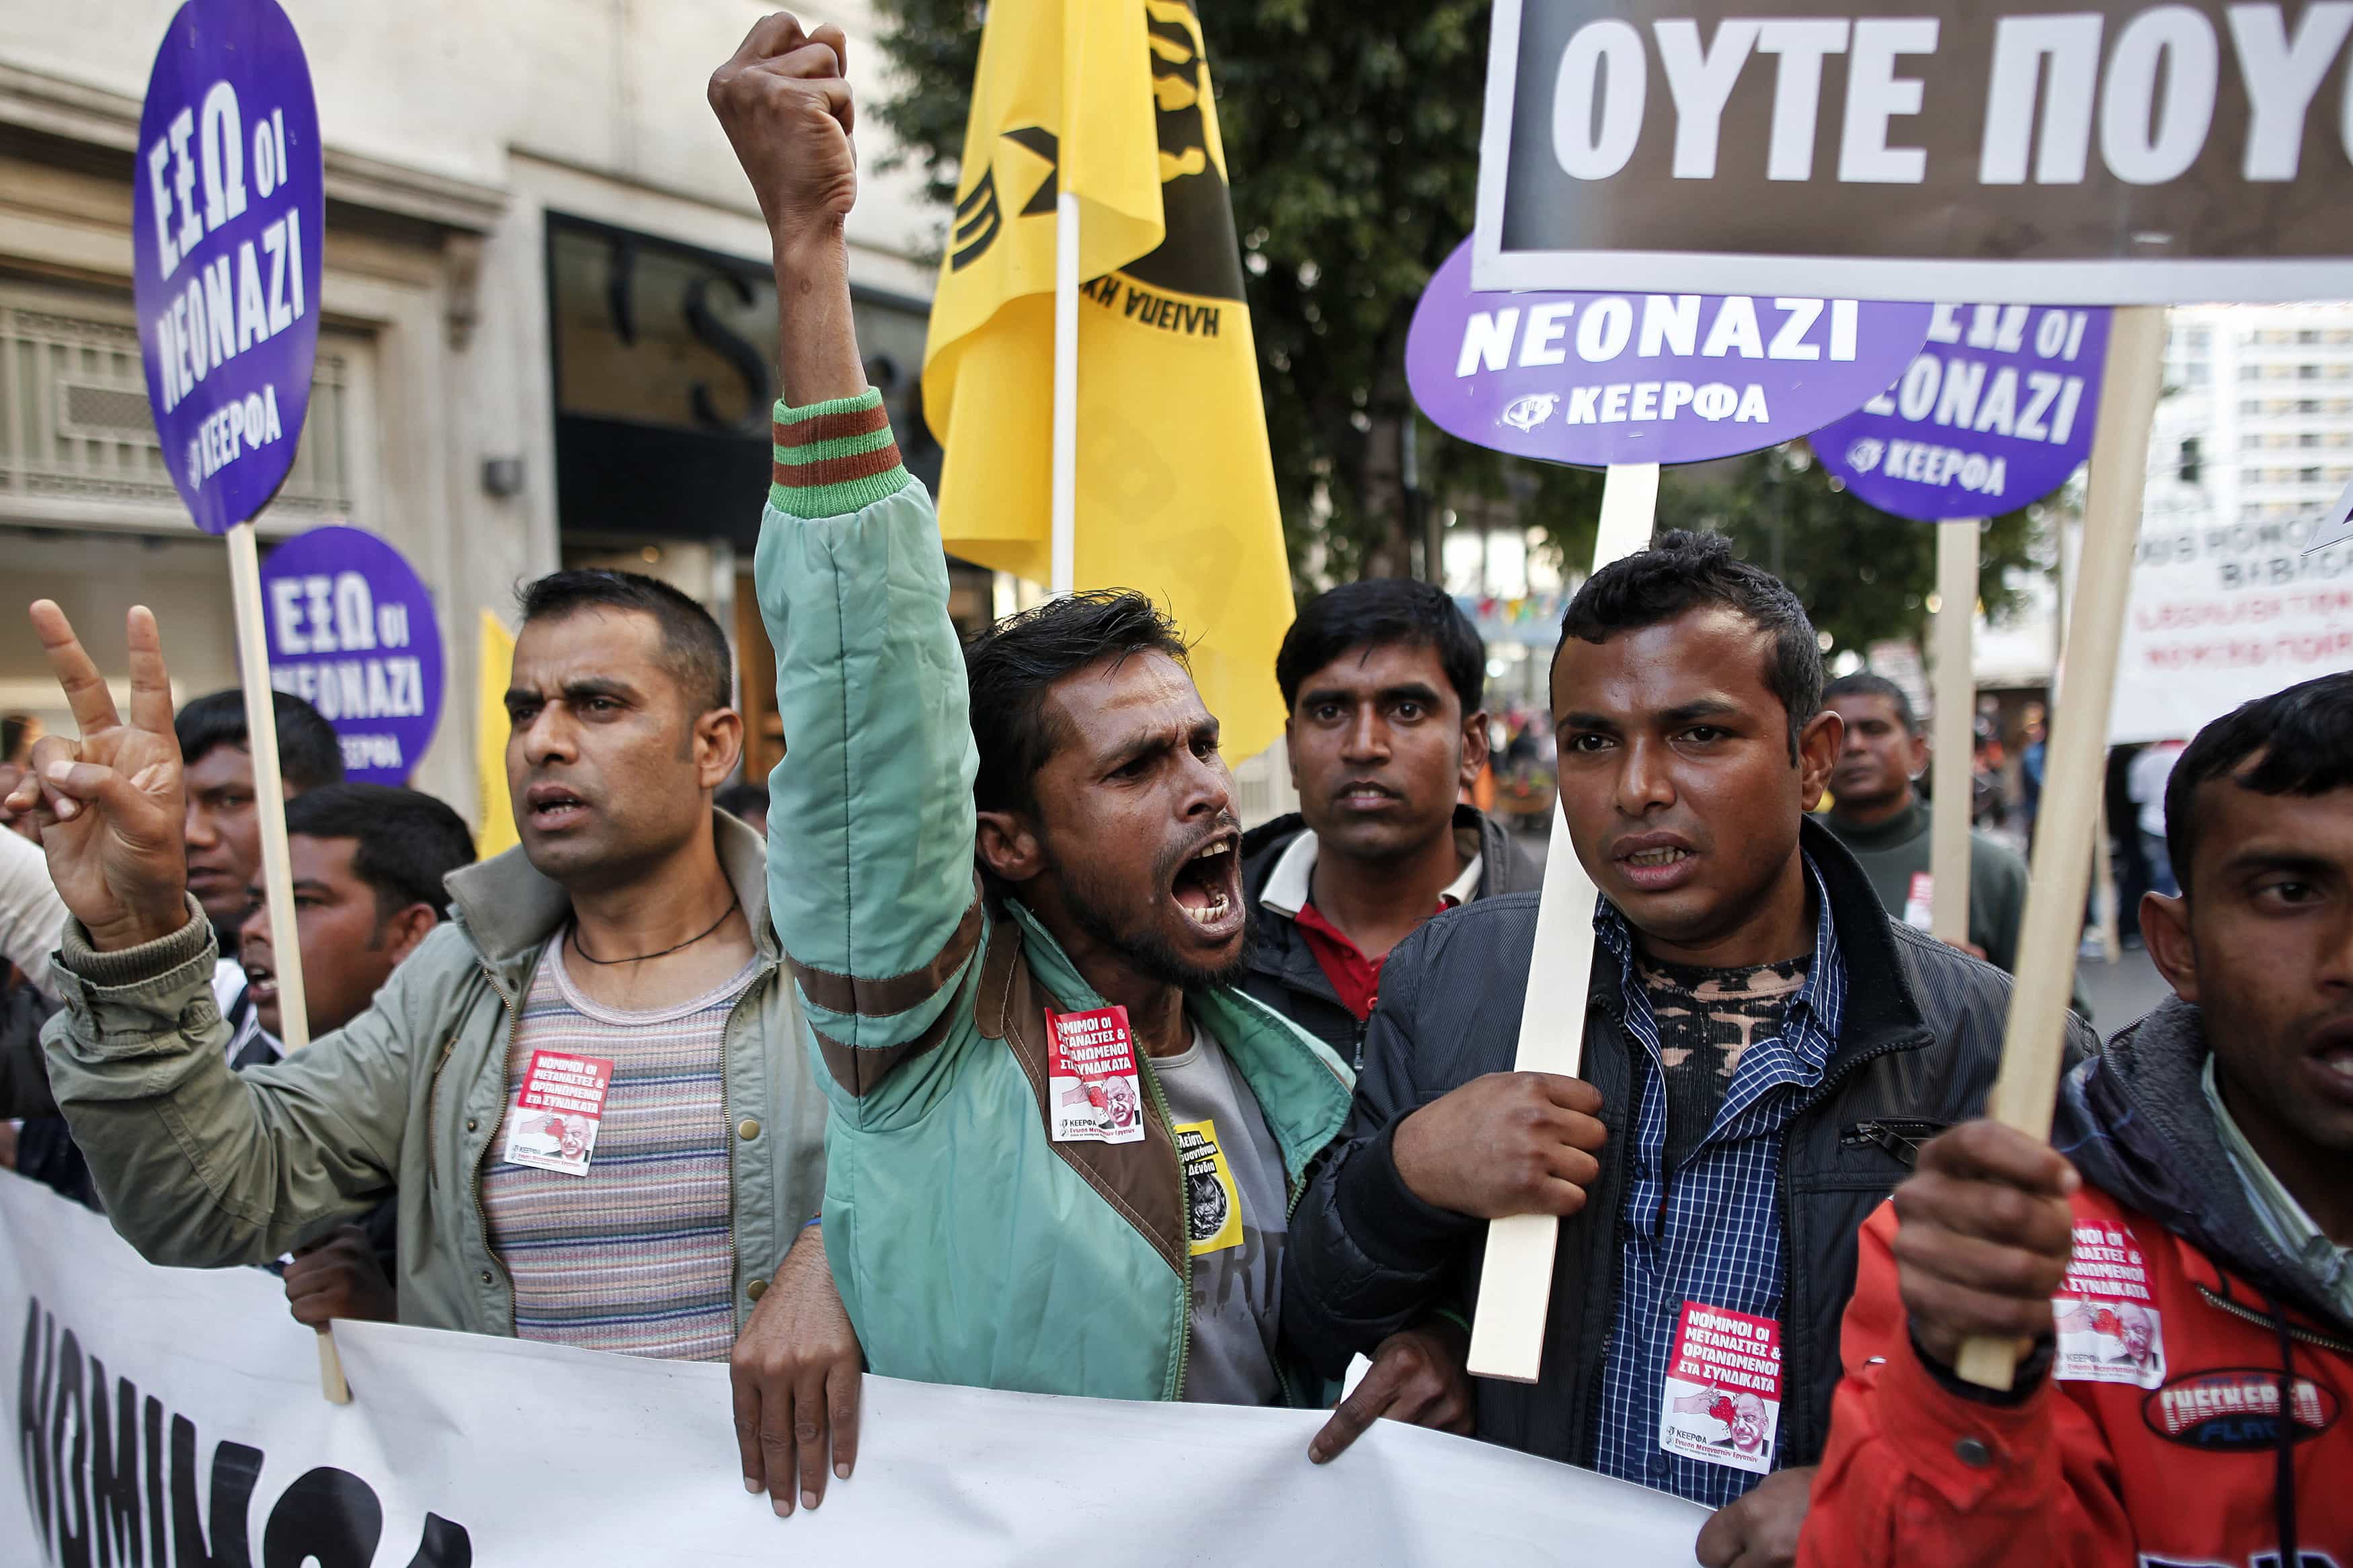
(2259, 416)
(547, 327)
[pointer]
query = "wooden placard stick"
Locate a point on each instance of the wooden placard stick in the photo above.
(1953, 697)
(1515, 1280)
(277, 863)
(2027, 1087)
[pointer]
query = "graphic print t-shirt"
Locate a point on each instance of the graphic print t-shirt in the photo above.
(1236, 1213)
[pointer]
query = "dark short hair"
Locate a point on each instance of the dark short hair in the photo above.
(692, 644)
(1685, 570)
(1009, 665)
(406, 841)
(1862, 683)
(745, 800)
(309, 754)
(2303, 736)
(1381, 612)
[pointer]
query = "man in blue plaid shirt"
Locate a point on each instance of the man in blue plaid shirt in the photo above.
(1764, 1051)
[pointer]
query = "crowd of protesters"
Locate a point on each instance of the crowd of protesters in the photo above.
(830, 1143)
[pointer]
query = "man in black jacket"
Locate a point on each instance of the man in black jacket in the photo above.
(1383, 681)
(1763, 1049)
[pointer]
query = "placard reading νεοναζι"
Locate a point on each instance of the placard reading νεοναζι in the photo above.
(1644, 378)
(227, 213)
(353, 633)
(1995, 411)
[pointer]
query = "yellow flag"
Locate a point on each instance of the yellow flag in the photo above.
(495, 807)
(1176, 490)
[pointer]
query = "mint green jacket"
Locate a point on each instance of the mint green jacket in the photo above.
(968, 1247)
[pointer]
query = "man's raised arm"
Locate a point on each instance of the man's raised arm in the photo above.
(200, 1166)
(871, 820)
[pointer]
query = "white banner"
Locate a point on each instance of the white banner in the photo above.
(2222, 612)
(171, 1419)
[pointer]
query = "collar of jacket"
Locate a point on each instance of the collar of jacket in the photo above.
(507, 909)
(1504, 867)
(2133, 1117)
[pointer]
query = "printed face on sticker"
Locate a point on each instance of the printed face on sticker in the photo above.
(1748, 1423)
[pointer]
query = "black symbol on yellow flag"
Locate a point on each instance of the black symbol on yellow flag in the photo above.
(977, 217)
(1200, 255)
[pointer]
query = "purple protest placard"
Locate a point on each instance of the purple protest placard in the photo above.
(228, 219)
(1995, 413)
(1644, 378)
(353, 633)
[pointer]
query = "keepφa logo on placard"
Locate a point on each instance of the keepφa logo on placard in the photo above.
(353, 633)
(228, 219)
(2114, 152)
(1995, 411)
(1644, 378)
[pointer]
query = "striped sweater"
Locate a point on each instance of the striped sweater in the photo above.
(635, 1257)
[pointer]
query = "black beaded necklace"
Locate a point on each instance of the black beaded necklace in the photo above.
(733, 905)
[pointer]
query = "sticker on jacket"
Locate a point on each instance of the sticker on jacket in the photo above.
(1091, 1093)
(553, 1125)
(2108, 1326)
(1213, 1209)
(1722, 1399)
(1919, 901)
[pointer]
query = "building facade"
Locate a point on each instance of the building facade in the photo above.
(547, 327)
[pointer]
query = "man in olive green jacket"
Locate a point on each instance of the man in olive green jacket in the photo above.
(630, 924)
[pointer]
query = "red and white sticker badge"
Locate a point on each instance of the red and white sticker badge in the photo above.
(553, 1124)
(1722, 1394)
(1091, 1093)
(2109, 1331)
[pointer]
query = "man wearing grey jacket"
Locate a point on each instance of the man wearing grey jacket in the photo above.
(624, 946)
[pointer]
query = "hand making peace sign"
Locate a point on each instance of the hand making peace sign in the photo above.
(110, 804)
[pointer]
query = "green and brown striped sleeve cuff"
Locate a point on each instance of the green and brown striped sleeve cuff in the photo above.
(833, 458)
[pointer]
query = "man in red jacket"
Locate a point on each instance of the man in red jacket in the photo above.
(2181, 1262)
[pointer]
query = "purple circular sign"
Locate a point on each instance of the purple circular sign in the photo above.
(1644, 378)
(353, 633)
(228, 224)
(1995, 411)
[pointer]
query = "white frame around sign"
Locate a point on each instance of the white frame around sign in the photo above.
(2113, 280)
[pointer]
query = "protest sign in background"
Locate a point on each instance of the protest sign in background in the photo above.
(170, 1403)
(2123, 151)
(353, 633)
(1995, 411)
(2222, 612)
(228, 231)
(1644, 378)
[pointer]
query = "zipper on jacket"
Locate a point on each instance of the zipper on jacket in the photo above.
(2308, 1336)
(1184, 1216)
(1819, 1094)
(1901, 1136)
(727, 1130)
(481, 1213)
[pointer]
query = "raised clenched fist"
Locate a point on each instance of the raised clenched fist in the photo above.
(786, 106)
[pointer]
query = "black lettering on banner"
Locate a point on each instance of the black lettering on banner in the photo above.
(236, 1469)
(328, 1514)
(114, 1470)
(66, 1413)
(80, 1447)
